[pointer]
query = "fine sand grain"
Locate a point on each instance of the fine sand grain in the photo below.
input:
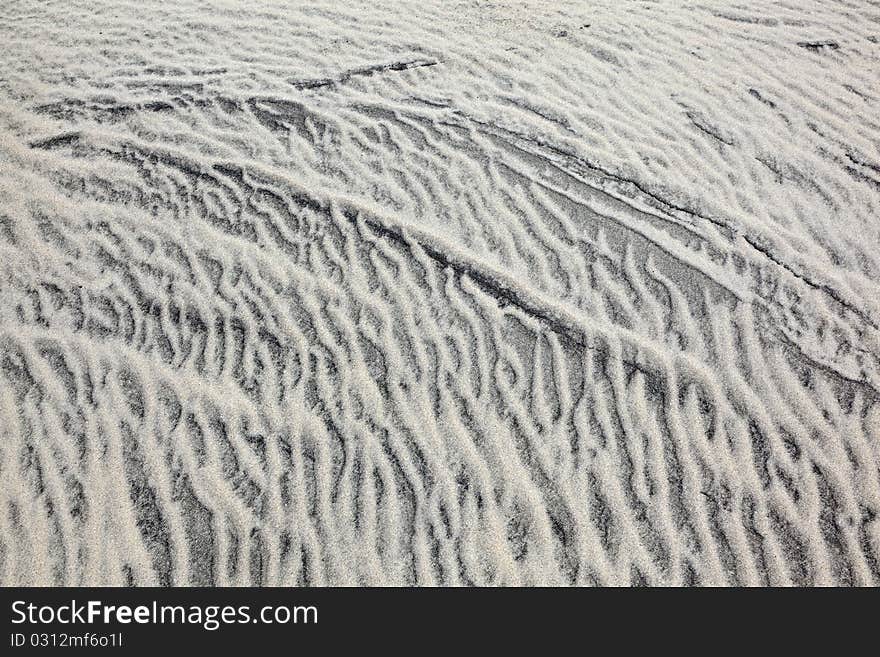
(439, 293)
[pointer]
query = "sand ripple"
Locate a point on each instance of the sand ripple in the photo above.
(476, 294)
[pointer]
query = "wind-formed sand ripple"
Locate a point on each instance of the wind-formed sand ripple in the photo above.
(478, 293)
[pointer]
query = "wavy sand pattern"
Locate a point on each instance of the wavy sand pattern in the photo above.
(473, 293)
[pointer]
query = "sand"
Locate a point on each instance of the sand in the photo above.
(437, 293)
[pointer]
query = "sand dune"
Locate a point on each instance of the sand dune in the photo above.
(514, 293)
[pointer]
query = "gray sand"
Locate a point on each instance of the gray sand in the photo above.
(518, 293)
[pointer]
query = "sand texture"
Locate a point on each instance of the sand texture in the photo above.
(439, 293)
